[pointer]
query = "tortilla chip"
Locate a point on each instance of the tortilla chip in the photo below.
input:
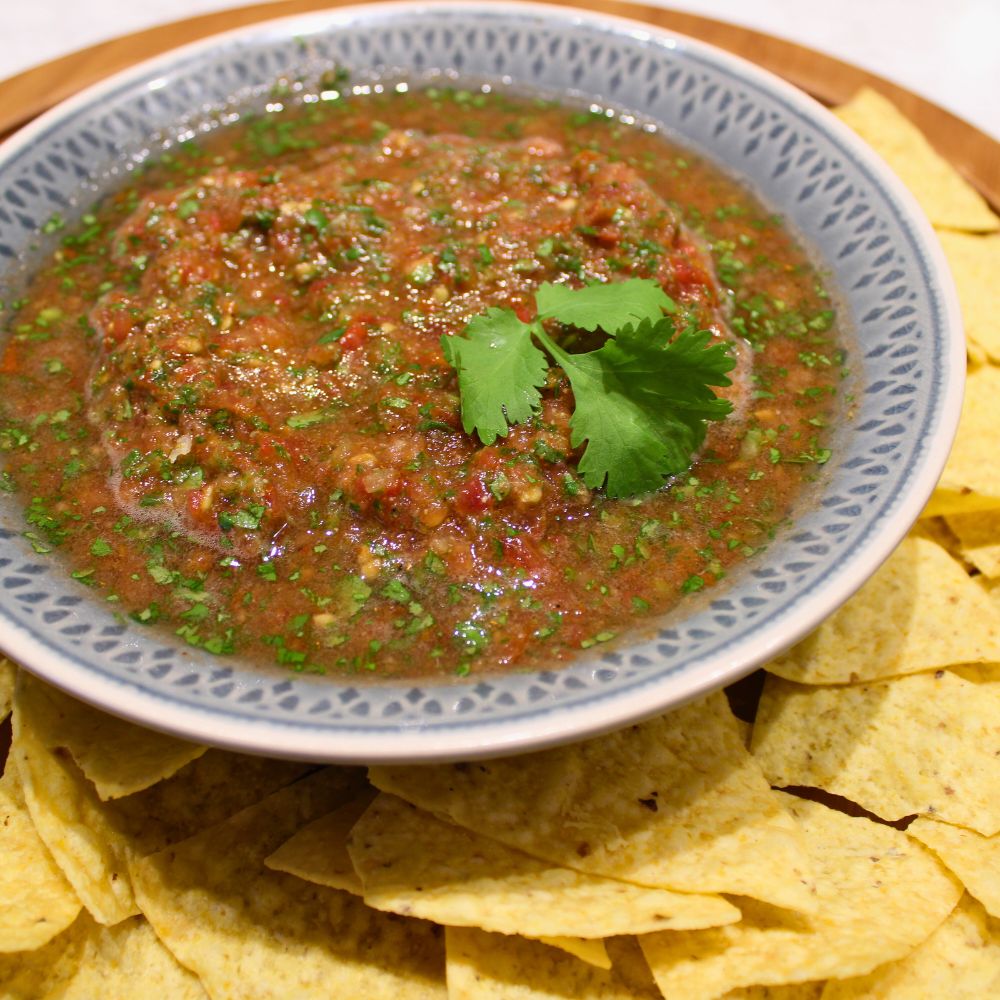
(207, 791)
(118, 757)
(416, 865)
(959, 961)
(971, 477)
(973, 858)
(979, 537)
(318, 852)
(88, 961)
(945, 501)
(592, 950)
(484, 966)
(922, 744)
(36, 901)
(8, 674)
(69, 817)
(674, 803)
(38, 974)
(128, 961)
(919, 611)
(879, 894)
(249, 932)
(948, 200)
(794, 991)
(975, 265)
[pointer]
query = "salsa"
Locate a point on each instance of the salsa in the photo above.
(226, 402)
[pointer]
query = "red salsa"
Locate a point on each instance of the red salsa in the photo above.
(225, 399)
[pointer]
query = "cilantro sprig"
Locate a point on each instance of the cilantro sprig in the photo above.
(641, 399)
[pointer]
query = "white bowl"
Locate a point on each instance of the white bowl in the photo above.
(881, 257)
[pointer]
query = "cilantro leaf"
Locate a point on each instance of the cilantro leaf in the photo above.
(673, 373)
(605, 306)
(640, 404)
(641, 399)
(500, 372)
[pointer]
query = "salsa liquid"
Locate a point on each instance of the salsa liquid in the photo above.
(226, 404)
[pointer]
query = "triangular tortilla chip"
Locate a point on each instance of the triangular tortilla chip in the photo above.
(879, 896)
(71, 820)
(36, 901)
(978, 537)
(920, 610)
(675, 803)
(484, 966)
(118, 757)
(948, 200)
(971, 477)
(91, 962)
(414, 864)
(959, 961)
(922, 744)
(973, 858)
(975, 266)
(251, 933)
(318, 852)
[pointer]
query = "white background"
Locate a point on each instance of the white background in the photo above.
(945, 50)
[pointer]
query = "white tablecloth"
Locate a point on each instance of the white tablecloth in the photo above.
(945, 50)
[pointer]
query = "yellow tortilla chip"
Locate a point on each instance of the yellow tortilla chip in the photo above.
(8, 673)
(592, 950)
(975, 265)
(674, 803)
(919, 611)
(318, 852)
(413, 864)
(36, 901)
(979, 538)
(69, 817)
(128, 961)
(945, 501)
(484, 966)
(207, 791)
(922, 744)
(249, 932)
(879, 895)
(38, 974)
(948, 200)
(971, 477)
(91, 962)
(973, 858)
(93, 842)
(118, 757)
(959, 961)
(795, 991)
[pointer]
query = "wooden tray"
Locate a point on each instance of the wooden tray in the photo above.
(831, 81)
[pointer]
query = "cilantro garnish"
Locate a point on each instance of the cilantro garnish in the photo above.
(641, 399)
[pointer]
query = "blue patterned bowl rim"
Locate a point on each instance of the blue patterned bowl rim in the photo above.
(842, 199)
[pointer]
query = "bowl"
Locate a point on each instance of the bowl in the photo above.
(879, 254)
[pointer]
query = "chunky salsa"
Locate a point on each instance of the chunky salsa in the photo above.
(225, 398)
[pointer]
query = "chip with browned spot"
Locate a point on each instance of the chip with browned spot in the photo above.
(879, 896)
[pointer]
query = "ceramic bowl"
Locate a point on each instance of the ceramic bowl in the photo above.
(880, 256)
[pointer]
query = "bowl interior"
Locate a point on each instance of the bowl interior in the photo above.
(906, 356)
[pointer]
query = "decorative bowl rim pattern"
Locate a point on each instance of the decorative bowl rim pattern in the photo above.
(508, 714)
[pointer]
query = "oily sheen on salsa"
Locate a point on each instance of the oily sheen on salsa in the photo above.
(226, 404)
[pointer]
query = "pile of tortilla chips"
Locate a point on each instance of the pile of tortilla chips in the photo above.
(847, 847)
